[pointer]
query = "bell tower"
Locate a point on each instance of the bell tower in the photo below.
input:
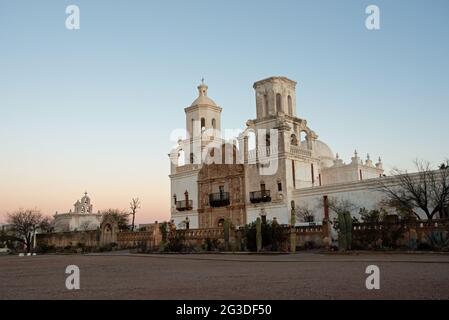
(203, 115)
(275, 95)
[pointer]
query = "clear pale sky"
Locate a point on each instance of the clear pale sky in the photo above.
(93, 109)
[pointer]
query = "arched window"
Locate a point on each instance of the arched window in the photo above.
(278, 103)
(268, 144)
(214, 124)
(266, 111)
(181, 158)
(267, 140)
(290, 105)
(303, 139)
(203, 124)
(293, 140)
(251, 140)
(228, 154)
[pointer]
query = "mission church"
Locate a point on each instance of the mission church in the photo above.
(258, 175)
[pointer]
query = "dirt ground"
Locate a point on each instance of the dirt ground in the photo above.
(225, 276)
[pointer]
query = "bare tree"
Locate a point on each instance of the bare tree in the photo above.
(134, 205)
(118, 215)
(25, 223)
(46, 225)
(427, 190)
(341, 205)
(304, 214)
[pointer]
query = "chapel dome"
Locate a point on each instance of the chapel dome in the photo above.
(322, 151)
(203, 99)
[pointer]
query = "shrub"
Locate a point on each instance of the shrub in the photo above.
(273, 236)
(438, 240)
(142, 247)
(108, 247)
(383, 233)
(175, 243)
(45, 248)
(308, 245)
(210, 244)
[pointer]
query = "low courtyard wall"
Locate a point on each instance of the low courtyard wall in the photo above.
(70, 239)
(413, 235)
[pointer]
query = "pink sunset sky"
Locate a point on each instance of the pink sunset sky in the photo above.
(93, 109)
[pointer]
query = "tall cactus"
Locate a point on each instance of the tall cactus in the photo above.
(348, 222)
(345, 230)
(258, 234)
(342, 240)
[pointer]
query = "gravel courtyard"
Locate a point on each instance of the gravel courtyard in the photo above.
(225, 276)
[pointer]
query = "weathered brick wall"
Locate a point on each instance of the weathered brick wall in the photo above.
(73, 239)
(366, 235)
(197, 237)
(310, 236)
(306, 237)
(149, 240)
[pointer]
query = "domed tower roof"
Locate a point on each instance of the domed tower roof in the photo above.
(85, 199)
(203, 99)
(322, 151)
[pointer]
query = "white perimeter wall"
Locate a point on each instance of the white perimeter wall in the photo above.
(179, 184)
(363, 194)
(279, 211)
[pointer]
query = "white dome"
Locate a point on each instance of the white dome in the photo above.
(203, 100)
(322, 151)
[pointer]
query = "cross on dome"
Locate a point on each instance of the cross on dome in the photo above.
(202, 89)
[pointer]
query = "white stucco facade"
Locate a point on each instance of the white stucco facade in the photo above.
(306, 169)
(81, 218)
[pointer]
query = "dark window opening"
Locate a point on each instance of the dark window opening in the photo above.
(203, 123)
(313, 173)
(293, 174)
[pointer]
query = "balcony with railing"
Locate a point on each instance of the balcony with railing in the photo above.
(262, 153)
(260, 196)
(184, 205)
(219, 199)
(299, 151)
